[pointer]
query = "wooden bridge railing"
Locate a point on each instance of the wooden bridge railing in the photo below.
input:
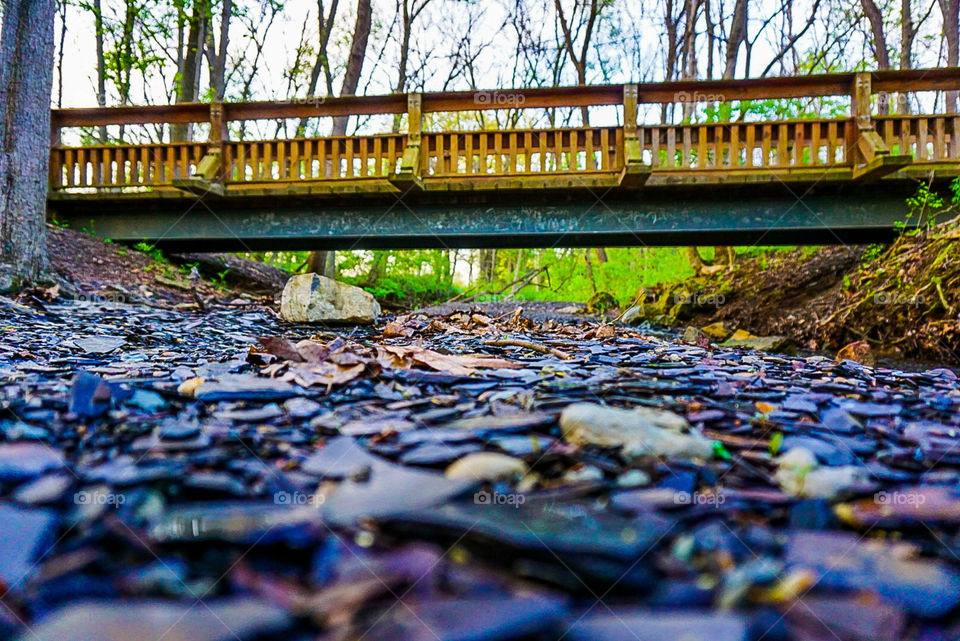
(864, 144)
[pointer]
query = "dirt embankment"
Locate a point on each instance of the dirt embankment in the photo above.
(903, 300)
(91, 267)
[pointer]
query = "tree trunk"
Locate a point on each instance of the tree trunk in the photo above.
(875, 18)
(26, 83)
(358, 50)
(693, 256)
(738, 35)
(908, 34)
(951, 33)
(351, 78)
(218, 80)
(101, 64)
(189, 86)
(323, 263)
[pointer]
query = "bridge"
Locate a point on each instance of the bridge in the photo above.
(436, 179)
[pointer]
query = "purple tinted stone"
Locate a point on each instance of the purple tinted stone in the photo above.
(487, 619)
(25, 461)
(25, 535)
(843, 561)
(650, 625)
(216, 620)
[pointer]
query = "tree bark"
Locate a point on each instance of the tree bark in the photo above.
(26, 83)
(358, 50)
(220, 64)
(189, 86)
(950, 9)
(880, 51)
(738, 35)
(326, 261)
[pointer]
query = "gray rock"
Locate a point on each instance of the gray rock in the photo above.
(310, 298)
(639, 431)
(633, 316)
(763, 343)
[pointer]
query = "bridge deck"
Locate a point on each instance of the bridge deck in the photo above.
(624, 184)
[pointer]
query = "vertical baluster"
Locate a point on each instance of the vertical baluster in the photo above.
(767, 138)
(295, 170)
(351, 152)
(905, 143)
(734, 145)
(701, 147)
(601, 143)
(71, 164)
(483, 164)
(618, 148)
(468, 142)
(591, 162)
(82, 162)
(671, 147)
(498, 150)
(832, 142)
(751, 135)
(719, 133)
(783, 148)
(955, 138)
(922, 140)
(888, 138)
(815, 143)
(655, 133)
(799, 142)
(939, 136)
(335, 157)
(686, 157)
(542, 146)
(527, 151)
(454, 154)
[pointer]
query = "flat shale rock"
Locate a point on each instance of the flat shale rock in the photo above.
(214, 620)
(618, 625)
(311, 298)
(25, 535)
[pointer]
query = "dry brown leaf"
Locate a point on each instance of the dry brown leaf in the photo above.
(858, 351)
(280, 347)
(328, 374)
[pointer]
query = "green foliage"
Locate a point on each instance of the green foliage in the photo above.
(152, 251)
(872, 253)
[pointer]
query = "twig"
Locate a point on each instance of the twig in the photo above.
(536, 347)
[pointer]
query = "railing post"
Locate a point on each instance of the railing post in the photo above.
(635, 172)
(870, 156)
(208, 176)
(407, 178)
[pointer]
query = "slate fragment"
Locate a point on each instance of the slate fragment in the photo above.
(25, 535)
(99, 344)
(647, 625)
(468, 619)
(842, 561)
(568, 543)
(124, 620)
(25, 461)
(89, 395)
(244, 387)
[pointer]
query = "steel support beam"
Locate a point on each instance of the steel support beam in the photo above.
(735, 218)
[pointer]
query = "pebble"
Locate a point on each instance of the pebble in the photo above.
(487, 466)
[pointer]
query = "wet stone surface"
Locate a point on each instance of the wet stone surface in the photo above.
(228, 476)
